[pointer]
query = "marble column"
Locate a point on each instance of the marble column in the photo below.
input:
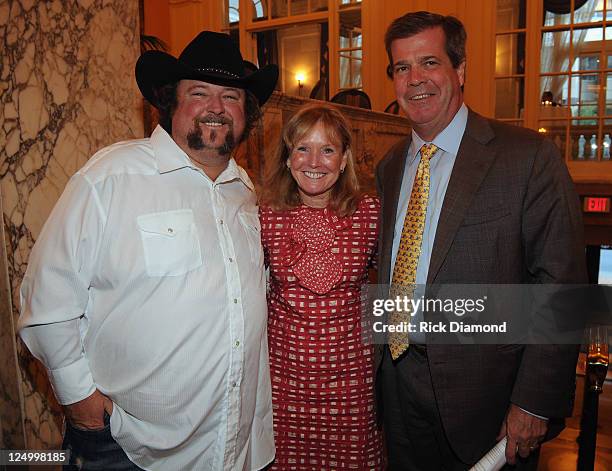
(67, 88)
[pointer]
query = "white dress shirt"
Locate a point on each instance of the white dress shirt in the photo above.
(147, 283)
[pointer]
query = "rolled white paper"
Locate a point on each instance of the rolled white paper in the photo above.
(494, 460)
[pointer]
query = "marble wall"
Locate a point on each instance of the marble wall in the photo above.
(66, 89)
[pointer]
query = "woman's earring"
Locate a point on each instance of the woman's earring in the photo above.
(342, 170)
(288, 164)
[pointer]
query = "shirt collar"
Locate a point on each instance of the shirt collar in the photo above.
(448, 140)
(169, 157)
(232, 172)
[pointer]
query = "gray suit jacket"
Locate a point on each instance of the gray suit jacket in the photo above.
(510, 215)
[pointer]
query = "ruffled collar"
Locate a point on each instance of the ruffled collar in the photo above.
(308, 249)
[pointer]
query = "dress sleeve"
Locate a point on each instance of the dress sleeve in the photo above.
(55, 289)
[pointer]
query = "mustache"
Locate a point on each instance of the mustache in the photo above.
(196, 142)
(212, 118)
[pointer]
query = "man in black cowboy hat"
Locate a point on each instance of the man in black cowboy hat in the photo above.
(145, 297)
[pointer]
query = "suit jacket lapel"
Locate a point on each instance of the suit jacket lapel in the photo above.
(393, 174)
(473, 161)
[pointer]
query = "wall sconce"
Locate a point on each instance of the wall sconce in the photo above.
(300, 80)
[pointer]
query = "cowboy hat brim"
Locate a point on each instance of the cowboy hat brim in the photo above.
(157, 68)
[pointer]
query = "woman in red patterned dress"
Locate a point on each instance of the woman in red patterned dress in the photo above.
(319, 237)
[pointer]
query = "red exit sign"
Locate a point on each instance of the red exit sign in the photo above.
(596, 204)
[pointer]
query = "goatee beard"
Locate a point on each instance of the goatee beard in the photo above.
(195, 140)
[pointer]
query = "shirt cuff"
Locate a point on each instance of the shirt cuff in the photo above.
(72, 383)
(535, 415)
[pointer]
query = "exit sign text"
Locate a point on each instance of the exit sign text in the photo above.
(594, 204)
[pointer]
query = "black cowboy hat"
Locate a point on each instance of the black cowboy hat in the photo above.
(210, 57)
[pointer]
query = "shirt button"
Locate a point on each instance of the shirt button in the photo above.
(170, 231)
(235, 300)
(234, 384)
(237, 343)
(221, 221)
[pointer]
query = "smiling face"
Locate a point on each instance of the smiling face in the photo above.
(427, 86)
(208, 122)
(316, 162)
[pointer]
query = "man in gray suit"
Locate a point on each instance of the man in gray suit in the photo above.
(500, 209)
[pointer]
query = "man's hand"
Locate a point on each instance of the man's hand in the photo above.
(89, 413)
(525, 432)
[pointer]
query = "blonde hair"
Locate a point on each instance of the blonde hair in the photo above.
(280, 190)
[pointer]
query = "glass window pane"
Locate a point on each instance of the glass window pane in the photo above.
(279, 8)
(586, 62)
(350, 28)
(556, 131)
(297, 49)
(510, 14)
(510, 54)
(590, 11)
(554, 93)
(350, 49)
(555, 52)
(298, 7)
(584, 90)
(350, 41)
(345, 80)
(350, 69)
(356, 70)
(260, 12)
(609, 10)
(318, 5)
(583, 140)
(348, 2)
(233, 14)
(557, 16)
(608, 111)
(583, 36)
(509, 97)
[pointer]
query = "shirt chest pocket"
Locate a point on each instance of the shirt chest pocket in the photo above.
(170, 242)
(252, 227)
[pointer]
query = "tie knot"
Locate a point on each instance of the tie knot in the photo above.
(427, 150)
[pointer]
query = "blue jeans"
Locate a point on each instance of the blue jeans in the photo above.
(95, 450)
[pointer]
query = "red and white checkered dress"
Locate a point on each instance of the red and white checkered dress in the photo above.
(322, 372)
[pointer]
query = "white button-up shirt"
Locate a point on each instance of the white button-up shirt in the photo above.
(147, 283)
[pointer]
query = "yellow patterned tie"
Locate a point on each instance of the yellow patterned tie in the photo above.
(404, 272)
